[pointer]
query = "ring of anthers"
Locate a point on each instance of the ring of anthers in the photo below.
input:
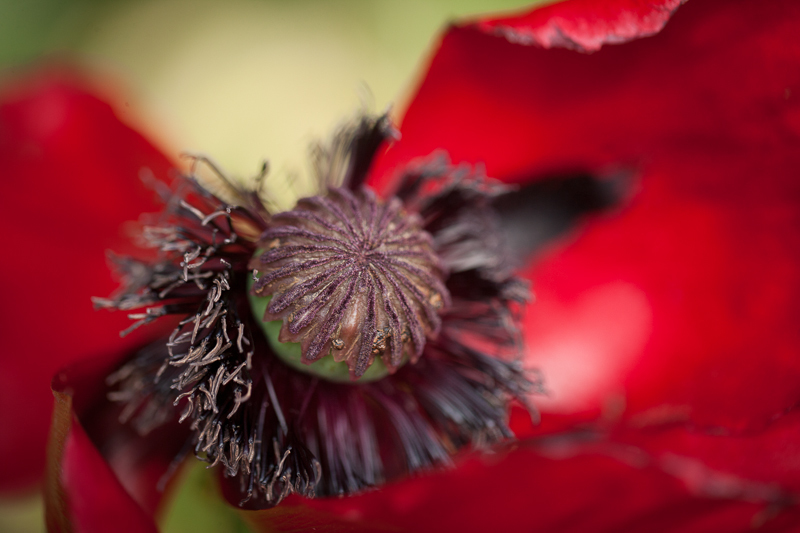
(344, 276)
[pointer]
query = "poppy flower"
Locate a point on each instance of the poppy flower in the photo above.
(664, 328)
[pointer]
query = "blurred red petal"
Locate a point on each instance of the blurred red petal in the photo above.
(139, 462)
(677, 310)
(70, 180)
(558, 488)
(82, 494)
(716, 462)
(584, 25)
(682, 306)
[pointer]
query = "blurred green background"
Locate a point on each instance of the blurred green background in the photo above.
(240, 80)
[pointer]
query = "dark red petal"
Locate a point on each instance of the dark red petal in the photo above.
(560, 487)
(749, 463)
(138, 462)
(70, 181)
(684, 305)
(584, 25)
(82, 494)
(678, 310)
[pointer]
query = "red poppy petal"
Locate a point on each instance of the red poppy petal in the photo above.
(683, 306)
(757, 462)
(561, 487)
(82, 493)
(140, 463)
(70, 180)
(675, 311)
(584, 25)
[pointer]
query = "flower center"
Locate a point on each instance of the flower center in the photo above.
(352, 278)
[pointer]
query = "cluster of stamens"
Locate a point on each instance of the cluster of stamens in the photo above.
(416, 278)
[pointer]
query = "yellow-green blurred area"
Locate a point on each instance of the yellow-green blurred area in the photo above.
(238, 80)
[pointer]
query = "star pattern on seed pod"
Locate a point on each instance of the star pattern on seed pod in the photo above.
(352, 276)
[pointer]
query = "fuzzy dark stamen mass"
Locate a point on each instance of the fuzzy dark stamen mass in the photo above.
(410, 277)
